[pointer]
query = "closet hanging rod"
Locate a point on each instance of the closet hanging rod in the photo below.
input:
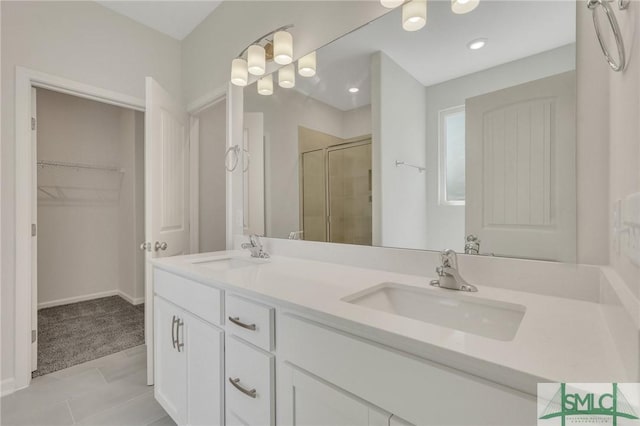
(44, 163)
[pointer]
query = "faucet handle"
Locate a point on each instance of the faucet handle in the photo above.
(449, 258)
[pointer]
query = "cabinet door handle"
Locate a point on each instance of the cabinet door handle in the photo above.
(173, 331)
(179, 345)
(236, 383)
(236, 321)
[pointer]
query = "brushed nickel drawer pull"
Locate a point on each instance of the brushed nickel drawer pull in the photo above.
(179, 345)
(173, 331)
(236, 383)
(236, 321)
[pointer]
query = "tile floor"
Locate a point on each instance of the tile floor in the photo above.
(106, 391)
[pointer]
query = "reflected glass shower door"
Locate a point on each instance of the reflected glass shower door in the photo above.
(314, 216)
(349, 193)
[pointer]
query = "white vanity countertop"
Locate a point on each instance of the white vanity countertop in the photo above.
(559, 339)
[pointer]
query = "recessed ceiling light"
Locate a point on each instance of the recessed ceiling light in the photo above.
(353, 90)
(476, 44)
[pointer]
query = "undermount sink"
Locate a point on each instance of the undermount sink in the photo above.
(484, 317)
(225, 263)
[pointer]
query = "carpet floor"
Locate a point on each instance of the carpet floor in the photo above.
(80, 332)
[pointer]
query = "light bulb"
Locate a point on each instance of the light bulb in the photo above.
(414, 15)
(390, 4)
(239, 72)
(282, 48)
(463, 6)
(287, 76)
(256, 61)
(307, 65)
(265, 85)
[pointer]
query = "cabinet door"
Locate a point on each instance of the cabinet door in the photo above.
(170, 363)
(204, 346)
(316, 402)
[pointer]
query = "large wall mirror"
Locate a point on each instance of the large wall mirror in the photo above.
(460, 135)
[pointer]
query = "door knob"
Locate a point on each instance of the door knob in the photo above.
(160, 245)
(145, 246)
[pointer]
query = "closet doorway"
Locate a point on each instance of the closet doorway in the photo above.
(89, 271)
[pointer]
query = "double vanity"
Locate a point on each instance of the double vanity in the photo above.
(250, 341)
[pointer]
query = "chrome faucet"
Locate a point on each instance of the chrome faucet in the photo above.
(472, 245)
(450, 278)
(255, 247)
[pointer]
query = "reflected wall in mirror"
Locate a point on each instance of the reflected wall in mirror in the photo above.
(417, 140)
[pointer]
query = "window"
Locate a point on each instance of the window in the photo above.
(451, 167)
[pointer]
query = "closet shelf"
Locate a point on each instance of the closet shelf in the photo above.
(78, 183)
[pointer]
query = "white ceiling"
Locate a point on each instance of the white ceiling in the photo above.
(173, 18)
(438, 52)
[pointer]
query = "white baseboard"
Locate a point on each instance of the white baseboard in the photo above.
(75, 299)
(8, 386)
(128, 298)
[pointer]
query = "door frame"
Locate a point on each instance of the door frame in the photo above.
(25, 186)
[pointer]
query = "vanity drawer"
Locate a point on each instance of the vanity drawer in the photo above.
(250, 378)
(199, 299)
(252, 321)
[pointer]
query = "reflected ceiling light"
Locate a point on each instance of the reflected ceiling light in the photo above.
(307, 65)
(476, 44)
(239, 72)
(256, 60)
(463, 6)
(390, 4)
(287, 76)
(282, 48)
(414, 15)
(265, 85)
(353, 90)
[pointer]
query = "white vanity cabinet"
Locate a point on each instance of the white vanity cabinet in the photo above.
(189, 355)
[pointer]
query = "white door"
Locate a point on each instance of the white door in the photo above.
(171, 381)
(521, 169)
(34, 234)
(166, 190)
(204, 346)
(253, 153)
(319, 403)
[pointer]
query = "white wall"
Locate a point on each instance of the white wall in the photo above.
(283, 112)
(131, 207)
(624, 135)
(212, 204)
(85, 42)
(88, 248)
(446, 224)
(399, 133)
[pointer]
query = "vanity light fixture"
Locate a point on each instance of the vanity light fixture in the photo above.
(414, 15)
(391, 4)
(265, 85)
(307, 65)
(256, 59)
(282, 48)
(353, 90)
(276, 46)
(476, 44)
(463, 6)
(239, 72)
(287, 76)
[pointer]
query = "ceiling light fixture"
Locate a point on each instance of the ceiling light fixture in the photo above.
(414, 15)
(353, 90)
(390, 4)
(282, 48)
(265, 85)
(307, 65)
(476, 44)
(239, 72)
(287, 76)
(276, 46)
(463, 6)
